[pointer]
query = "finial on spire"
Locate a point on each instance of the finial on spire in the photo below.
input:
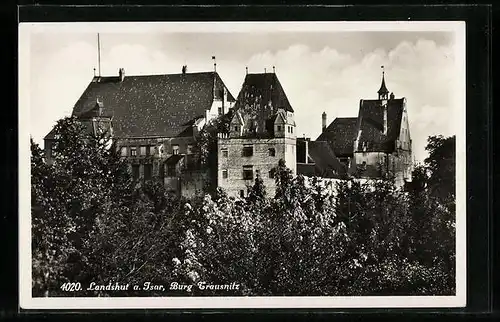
(215, 63)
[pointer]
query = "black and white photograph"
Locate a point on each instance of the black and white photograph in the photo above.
(242, 164)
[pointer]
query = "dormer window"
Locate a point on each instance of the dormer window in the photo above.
(279, 128)
(236, 128)
(175, 149)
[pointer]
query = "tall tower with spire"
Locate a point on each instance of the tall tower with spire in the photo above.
(383, 92)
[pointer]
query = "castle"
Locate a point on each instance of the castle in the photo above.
(156, 121)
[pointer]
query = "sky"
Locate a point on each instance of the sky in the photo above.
(320, 70)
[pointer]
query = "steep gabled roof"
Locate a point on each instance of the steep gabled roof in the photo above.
(153, 105)
(259, 99)
(259, 90)
(341, 134)
(371, 124)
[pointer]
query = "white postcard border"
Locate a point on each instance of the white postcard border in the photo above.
(26, 30)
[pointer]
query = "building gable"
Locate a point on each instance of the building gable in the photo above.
(370, 125)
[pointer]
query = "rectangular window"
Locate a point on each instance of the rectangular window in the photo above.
(224, 174)
(247, 151)
(272, 152)
(236, 129)
(257, 173)
(279, 128)
(148, 150)
(271, 173)
(143, 150)
(133, 151)
(248, 172)
(171, 170)
(189, 149)
(242, 193)
(175, 149)
(148, 171)
(220, 110)
(224, 153)
(291, 129)
(123, 151)
(135, 171)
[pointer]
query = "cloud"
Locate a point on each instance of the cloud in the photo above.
(316, 79)
(326, 80)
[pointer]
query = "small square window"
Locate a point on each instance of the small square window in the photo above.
(189, 149)
(247, 151)
(225, 153)
(224, 174)
(248, 172)
(272, 152)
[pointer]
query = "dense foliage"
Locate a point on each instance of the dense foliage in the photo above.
(91, 223)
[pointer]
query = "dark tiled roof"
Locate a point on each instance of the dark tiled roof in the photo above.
(260, 98)
(174, 159)
(153, 105)
(326, 164)
(51, 135)
(370, 122)
(341, 134)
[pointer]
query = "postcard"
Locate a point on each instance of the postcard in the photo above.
(242, 165)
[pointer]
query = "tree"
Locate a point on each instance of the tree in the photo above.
(441, 166)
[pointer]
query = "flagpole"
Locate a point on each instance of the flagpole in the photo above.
(99, 53)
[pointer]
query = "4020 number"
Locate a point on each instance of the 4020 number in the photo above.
(71, 287)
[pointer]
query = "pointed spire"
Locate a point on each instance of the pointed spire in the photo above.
(383, 91)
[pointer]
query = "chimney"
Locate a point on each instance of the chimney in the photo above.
(323, 121)
(184, 69)
(385, 118)
(392, 96)
(121, 73)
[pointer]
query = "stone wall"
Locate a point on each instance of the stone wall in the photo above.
(261, 162)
